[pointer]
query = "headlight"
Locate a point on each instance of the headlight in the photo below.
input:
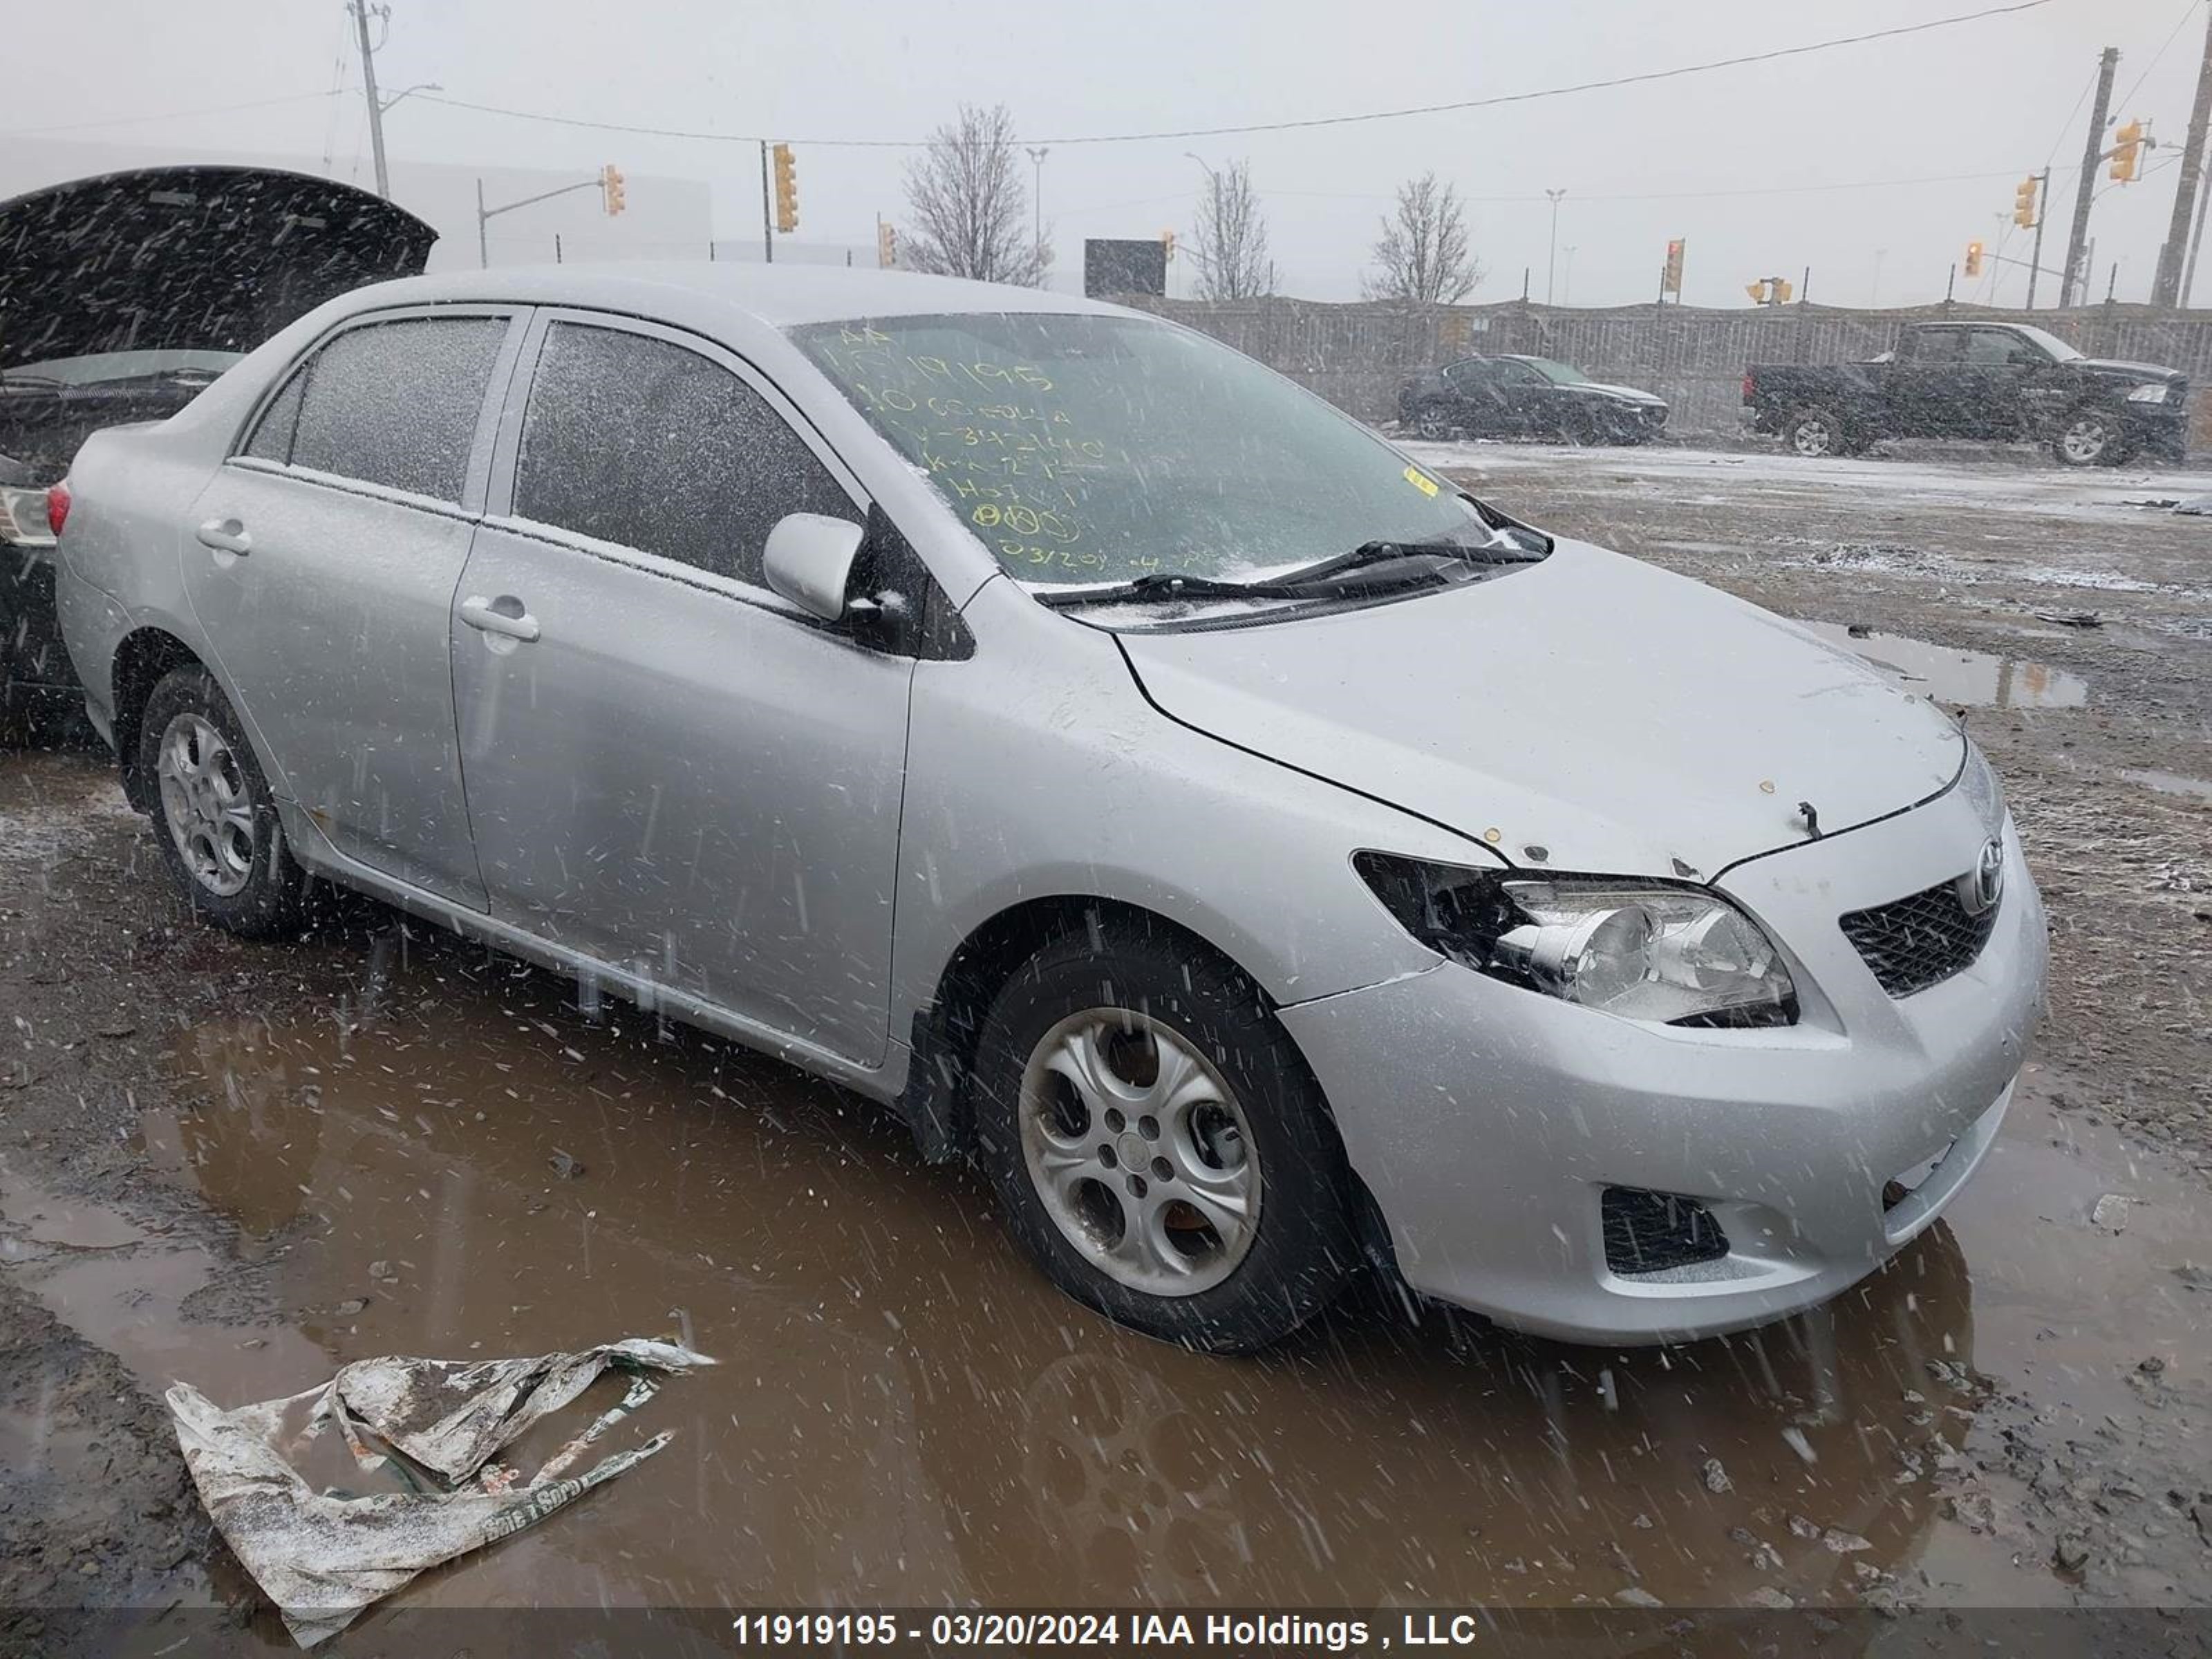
(1679, 955)
(1981, 786)
(2154, 393)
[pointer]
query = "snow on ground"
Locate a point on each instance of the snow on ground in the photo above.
(2007, 482)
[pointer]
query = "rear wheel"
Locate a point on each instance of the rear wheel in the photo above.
(1160, 1148)
(1434, 422)
(219, 831)
(1814, 434)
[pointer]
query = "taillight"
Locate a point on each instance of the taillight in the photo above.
(58, 507)
(1747, 388)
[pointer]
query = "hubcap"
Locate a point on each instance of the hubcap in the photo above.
(1813, 438)
(1140, 1151)
(2084, 440)
(205, 804)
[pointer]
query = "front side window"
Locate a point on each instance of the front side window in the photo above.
(1989, 348)
(396, 403)
(649, 445)
(1935, 345)
(1557, 374)
(1089, 449)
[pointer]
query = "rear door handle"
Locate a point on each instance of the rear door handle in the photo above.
(482, 614)
(226, 536)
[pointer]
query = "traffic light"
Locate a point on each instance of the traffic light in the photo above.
(2023, 203)
(1973, 267)
(787, 191)
(886, 246)
(1782, 290)
(1758, 292)
(2127, 151)
(610, 189)
(1167, 245)
(1672, 283)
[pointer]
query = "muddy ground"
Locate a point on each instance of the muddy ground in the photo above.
(242, 1165)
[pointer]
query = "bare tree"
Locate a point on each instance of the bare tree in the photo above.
(1423, 251)
(1230, 244)
(970, 213)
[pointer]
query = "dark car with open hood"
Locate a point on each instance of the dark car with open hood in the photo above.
(122, 297)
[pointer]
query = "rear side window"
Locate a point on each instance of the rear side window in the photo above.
(643, 443)
(272, 435)
(396, 403)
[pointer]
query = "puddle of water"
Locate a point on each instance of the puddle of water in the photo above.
(1979, 679)
(905, 1413)
(2171, 783)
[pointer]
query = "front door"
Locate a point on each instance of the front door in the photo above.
(669, 767)
(321, 562)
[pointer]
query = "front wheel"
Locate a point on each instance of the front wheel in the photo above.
(219, 830)
(1160, 1148)
(2087, 437)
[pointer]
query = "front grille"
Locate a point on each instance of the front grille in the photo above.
(1920, 941)
(1647, 1233)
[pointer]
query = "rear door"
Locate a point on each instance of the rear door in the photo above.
(321, 563)
(670, 768)
(1922, 387)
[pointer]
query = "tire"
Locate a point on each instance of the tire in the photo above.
(1219, 1219)
(1815, 434)
(1433, 421)
(212, 814)
(2087, 436)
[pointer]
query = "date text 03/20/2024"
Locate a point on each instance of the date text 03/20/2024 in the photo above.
(969, 1627)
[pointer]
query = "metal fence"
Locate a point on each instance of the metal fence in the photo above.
(1357, 355)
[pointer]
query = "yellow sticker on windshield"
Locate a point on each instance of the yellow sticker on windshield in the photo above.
(1420, 481)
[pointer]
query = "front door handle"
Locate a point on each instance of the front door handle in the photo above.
(487, 616)
(226, 536)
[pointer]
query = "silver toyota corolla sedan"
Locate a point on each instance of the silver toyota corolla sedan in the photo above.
(1263, 857)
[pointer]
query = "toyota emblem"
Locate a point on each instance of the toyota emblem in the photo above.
(1981, 888)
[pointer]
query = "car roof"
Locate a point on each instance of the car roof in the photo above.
(778, 296)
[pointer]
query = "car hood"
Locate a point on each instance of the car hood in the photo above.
(1627, 720)
(2118, 370)
(200, 258)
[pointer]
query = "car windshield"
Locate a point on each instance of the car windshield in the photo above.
(1089, 449)
(1557, 374)
(98, 367)
(2051, 342)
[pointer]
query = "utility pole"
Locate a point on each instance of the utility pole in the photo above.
(2166, 287)
(368, 87)
(1551, 265)
(2071, 279)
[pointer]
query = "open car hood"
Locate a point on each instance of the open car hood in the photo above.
(214, 258)
(1628, 722)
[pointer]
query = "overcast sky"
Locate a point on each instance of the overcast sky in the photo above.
(1639, 164)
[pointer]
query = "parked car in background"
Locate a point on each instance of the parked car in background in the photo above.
(1516, 397)
(122, 298)
(2010, 382)
(1045, 720)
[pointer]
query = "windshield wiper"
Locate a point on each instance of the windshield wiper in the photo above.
(1322, 581)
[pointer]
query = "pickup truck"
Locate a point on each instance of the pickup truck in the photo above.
(2004, 381)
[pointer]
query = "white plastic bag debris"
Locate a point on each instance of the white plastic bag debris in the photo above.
(434, 1424)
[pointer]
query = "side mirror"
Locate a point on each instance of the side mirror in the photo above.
(809, 561)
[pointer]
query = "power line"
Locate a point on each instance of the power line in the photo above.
(1491, 102)
(171, 115)
(2178, 23)
(1681, 195)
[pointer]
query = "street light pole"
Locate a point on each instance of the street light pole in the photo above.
(1037, 153)
(1551, 265)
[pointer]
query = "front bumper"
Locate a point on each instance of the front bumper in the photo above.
(1487, 1120)
(2157, 429)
